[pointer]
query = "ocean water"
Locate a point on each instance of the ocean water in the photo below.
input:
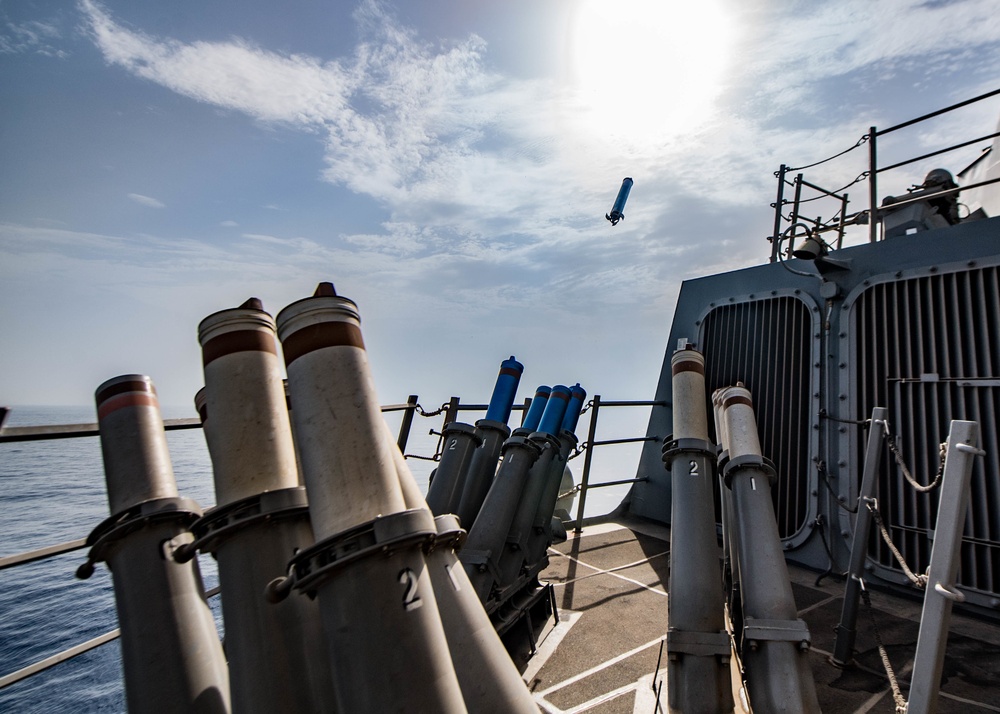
(51, 492)
(54, 491)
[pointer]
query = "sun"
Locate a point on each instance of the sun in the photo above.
(647, 70)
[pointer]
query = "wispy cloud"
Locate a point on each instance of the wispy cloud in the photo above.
(229, 224)
(147, 201)
(31, 36)
(485, 171)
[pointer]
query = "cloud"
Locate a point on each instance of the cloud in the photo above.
(229, 224)
(31, 36)
(490, 174)
(146, 201)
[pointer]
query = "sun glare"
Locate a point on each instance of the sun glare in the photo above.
(647, 70)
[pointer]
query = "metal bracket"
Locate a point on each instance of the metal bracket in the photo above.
(384, 535)
(220, 523)
(749, 461)
(457, 427)
(450, 533)
(757, 630)
(949, 592)
(111, 530)
(700, 447)
(698, 644)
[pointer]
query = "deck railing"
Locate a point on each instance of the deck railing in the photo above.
(449, 412)
(841, 218)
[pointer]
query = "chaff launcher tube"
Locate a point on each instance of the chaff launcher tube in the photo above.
(515, 554)
(482, 469)
(540, 537)
(697, 642)
(445, 492)
(171, 654)
(276, 652)
(481, 555)
(775, 642)
(388, 651)
(534, 416)
(505, 390)
(489, 680)
(731, 577)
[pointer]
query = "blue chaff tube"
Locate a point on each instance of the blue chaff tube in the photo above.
(619, 206)
(505, 390)
(576, 396)
(534, 416)
(555, 410)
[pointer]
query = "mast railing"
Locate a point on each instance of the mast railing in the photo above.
(870, 216)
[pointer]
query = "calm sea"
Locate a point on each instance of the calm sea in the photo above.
(51, 492)
(54, 491)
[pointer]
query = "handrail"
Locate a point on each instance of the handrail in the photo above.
(76, 431)
(874, 211)
(68, 431)
(42, 553)
(941, 111)
(71, 652)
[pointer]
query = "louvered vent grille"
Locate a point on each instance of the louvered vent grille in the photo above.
(766, 345)
(928, 349)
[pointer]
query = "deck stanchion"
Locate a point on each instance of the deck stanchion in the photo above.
(941, 593)
(698, 647)
(843, 649)
(171, 654)
(367, 568)
(587, 461)
(276, 652)
(406, 422)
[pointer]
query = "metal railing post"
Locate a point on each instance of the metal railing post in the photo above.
(941, 592)
(795, 214)
(587, 459)
(451, 412)
(872, 187)
(776, 236)
(407, 422)
(844, 648)
(840, 226)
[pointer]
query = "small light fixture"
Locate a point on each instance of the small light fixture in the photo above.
(810, 249)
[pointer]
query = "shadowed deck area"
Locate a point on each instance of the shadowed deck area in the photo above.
(611, 592)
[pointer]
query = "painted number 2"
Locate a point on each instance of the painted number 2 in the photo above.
(694, 467)
(411, 601)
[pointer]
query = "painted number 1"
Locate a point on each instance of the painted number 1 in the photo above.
(411, 601)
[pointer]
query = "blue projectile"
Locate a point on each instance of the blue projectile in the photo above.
(617, 212)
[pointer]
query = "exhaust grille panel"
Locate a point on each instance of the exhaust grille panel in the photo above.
(927, 348)
(768, 345)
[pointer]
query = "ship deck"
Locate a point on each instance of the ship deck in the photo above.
(605, 656)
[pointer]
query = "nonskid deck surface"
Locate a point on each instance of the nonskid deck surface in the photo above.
(610, 585)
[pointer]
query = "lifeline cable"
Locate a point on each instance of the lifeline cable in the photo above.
(897, 695)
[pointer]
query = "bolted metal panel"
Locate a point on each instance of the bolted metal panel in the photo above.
(768, 345)
(926, 347)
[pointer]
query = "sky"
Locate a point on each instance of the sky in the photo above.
(447, 164)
